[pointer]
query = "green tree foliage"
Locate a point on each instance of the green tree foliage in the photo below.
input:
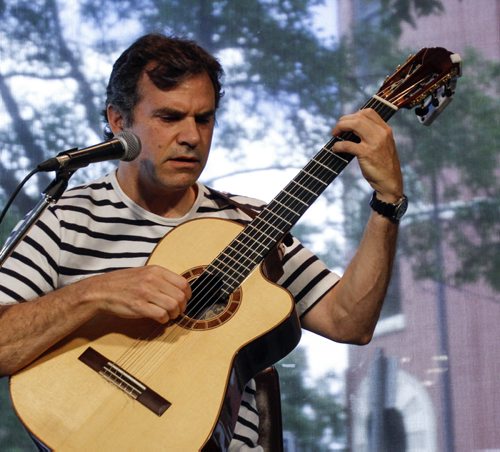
(450, 170)
(257, 40)
(13, 436)
(458, 156)
(273, 57)
(313, 410)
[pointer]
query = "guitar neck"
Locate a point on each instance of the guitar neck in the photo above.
(251, 246)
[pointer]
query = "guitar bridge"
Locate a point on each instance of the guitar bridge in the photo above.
(124, 381)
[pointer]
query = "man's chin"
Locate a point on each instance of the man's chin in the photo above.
(178, 184)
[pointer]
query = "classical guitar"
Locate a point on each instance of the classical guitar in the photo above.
(118, 385)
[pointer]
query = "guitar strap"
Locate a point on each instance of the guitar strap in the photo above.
(272, 266)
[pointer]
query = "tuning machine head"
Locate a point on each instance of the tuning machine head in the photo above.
(433, 105)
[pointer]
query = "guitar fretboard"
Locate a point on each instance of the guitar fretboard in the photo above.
(251, 246)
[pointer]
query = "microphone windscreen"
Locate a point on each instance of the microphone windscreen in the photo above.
(131, 144)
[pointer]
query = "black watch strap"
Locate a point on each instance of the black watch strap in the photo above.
(393, 212)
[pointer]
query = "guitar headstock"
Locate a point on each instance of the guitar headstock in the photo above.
(426, 80)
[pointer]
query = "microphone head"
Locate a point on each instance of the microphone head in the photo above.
(131, 144)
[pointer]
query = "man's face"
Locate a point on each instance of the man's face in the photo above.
(175, 128)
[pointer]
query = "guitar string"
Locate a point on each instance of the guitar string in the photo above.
(250, 254)
(249, 247)
(299, 187)
(325, 167)
(238, 252)
(210, 294)
(368, 105)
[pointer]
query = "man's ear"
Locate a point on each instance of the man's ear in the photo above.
(115, 119)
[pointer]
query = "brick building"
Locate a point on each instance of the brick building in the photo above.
(429, 379)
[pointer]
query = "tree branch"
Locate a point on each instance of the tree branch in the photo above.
(26, 140)
(85, 93)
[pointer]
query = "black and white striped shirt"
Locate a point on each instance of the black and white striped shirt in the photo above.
(96, 228)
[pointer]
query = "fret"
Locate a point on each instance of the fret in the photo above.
(280, 218)
(224, 268)
(268, 223)
(237, 261)
(275, 201)
(254, 229)
(324, 184)
(295, 197)
(327, 168)
(302, 187)
(245, 256)
(343, 160)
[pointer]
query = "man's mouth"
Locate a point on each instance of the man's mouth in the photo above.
(185, 159)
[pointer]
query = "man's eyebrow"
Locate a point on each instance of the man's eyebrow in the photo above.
(167, 111)
(205, 114)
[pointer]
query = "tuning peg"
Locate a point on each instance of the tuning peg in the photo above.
(422, 110)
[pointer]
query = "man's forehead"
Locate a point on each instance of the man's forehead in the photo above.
(196, 90)
(169, 84)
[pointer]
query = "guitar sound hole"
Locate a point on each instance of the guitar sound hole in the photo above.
(208, 307)
(206, 313)
(206, 301)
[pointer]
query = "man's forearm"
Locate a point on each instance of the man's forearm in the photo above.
(349, 312)
(365, 282)
(28, 329)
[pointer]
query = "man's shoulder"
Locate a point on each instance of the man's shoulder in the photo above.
(97, 194)
(227, 198)
(102, 185)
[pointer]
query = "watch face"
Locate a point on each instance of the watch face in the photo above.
(401, 208)
(392, 211)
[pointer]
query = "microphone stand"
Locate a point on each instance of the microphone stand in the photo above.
(49, 196)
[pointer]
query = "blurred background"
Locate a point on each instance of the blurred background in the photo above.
(429, 379)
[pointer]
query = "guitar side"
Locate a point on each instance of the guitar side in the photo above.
(69, 406)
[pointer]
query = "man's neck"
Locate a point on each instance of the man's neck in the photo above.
(168, 204)
(171, 205)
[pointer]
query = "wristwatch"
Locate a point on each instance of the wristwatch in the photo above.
(392, 211)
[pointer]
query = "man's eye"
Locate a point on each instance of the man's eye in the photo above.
(204, 120)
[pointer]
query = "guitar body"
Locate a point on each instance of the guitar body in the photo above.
(198, 368)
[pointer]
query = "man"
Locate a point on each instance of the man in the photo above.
(87, 253)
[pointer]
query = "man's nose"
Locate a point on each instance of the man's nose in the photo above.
(189, 134)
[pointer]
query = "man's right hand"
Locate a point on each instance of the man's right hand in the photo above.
(144, 292)
(29, 328)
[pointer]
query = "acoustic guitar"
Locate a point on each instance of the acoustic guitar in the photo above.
(129, 385)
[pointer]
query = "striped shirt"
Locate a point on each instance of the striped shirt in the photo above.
(96, 228)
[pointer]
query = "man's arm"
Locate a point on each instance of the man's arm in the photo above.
(28, 329)
(350, 310)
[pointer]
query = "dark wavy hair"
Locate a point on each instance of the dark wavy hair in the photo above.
(174, 60)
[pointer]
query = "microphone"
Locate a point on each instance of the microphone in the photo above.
(124, 146)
